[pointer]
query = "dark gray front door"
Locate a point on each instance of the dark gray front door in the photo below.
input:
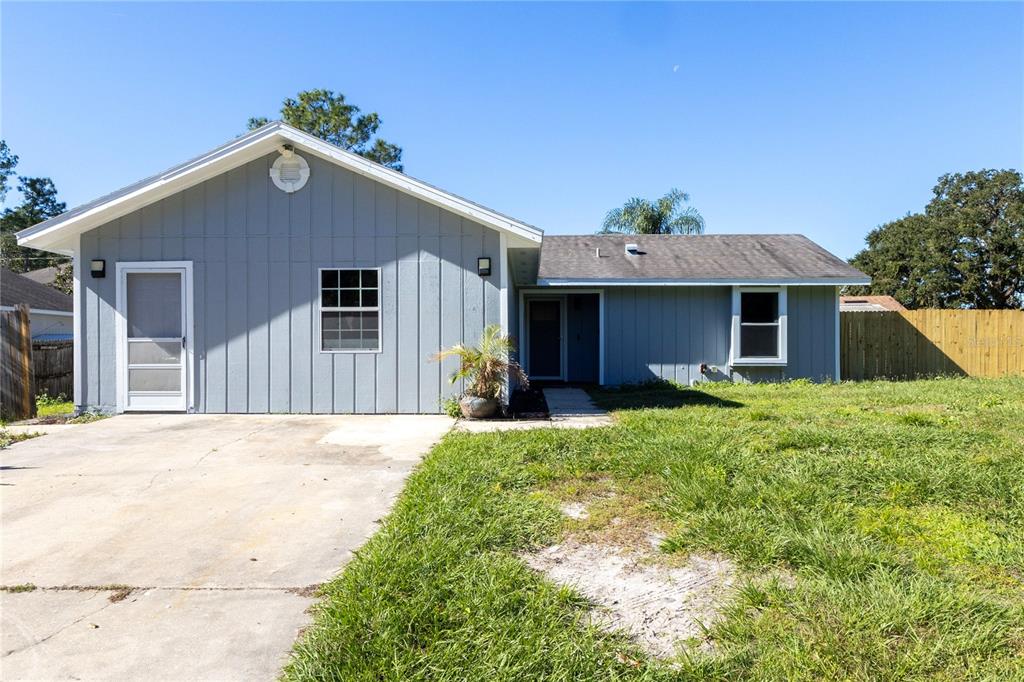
(545, 339)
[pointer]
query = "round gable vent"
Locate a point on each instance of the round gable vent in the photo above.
(290, 171)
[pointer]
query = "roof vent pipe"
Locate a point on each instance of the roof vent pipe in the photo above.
(632, 249)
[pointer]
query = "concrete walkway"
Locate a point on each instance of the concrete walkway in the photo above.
(569, 408)
(569, 403)
(184, 547)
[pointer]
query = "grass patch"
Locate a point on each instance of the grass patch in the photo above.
(12, 437)
(53, 406)
(15, 589)
(895, 508)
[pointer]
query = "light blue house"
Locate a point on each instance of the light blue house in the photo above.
(279, 273)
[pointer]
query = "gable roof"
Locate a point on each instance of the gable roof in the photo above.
(59, 233)
(42, 275)
(691, 259)
(15, 289)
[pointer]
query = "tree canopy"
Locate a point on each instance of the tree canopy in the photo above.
(328, 116)
(965, 251)
(667, 215)
(8, 161)
(38, 203)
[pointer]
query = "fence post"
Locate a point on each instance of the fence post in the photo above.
(28, 394)
(17, 397)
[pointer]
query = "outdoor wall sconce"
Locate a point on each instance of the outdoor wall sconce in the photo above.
(483, 266)
(98, 268)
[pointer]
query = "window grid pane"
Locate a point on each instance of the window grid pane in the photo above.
(759, 306)
(759, 340)
(349, 316)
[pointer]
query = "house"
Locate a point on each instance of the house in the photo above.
(868, 304)
(279, 273)
(45, 276)
(50, 310)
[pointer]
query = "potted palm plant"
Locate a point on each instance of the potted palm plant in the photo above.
(486, 369)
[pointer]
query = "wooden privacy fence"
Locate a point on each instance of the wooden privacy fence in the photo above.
(17, 394)
(54, 367)
(916, 343)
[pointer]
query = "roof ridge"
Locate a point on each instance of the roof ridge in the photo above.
(676, 236)
(790, 258)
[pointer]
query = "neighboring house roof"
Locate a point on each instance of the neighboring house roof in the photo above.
(58, 234)
(42, 275)
(62, 336)
(16, 289)
(691, 259)
(869, 304)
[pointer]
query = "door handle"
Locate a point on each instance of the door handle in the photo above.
(183, 342)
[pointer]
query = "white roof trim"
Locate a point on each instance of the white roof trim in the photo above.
(639, 282)
(413, 186)
(41, 311)
(56, 232)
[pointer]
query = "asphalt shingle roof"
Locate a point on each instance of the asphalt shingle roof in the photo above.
(869, 303)
(15, 289)
(695, 258)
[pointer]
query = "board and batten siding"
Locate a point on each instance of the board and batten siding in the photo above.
(665, 332)
(256, 252)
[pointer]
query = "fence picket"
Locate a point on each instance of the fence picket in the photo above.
(915, 343)
(17, 393)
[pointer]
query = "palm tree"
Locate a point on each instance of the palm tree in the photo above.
(667, 215)
(486, 367)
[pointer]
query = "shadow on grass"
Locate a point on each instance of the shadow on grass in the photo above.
(656, 396)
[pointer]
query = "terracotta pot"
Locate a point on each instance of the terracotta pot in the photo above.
(478, 408)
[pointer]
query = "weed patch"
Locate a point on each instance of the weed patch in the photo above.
(15, 589)
(11, 437)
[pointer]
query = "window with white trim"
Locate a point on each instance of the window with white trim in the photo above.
(759, 326)
(349, 309)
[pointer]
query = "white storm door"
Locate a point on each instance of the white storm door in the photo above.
(154, 306)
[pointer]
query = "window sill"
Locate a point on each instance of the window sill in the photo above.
(758, 362)
(352, 351)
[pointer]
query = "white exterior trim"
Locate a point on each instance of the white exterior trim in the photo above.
(56, 234)
(734, 341)
(641, 282)
(503, 281)
(319, 340)
(523, 292)
(41, 311)
(76, 324)
(503, 301)
(411, 185)
(140, 194)
(121, 325)
(837, 378)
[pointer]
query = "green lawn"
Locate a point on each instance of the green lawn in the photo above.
(897, 509)
(49, 407)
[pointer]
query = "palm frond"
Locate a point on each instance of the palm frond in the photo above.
(688, 221)
(487, 367)
(667, 215)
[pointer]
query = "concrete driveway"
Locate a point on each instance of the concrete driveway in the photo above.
(218, 526)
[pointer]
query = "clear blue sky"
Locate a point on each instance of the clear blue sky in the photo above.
(826, 119)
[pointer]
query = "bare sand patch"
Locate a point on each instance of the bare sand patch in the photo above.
(661, 607)
(575, 510)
